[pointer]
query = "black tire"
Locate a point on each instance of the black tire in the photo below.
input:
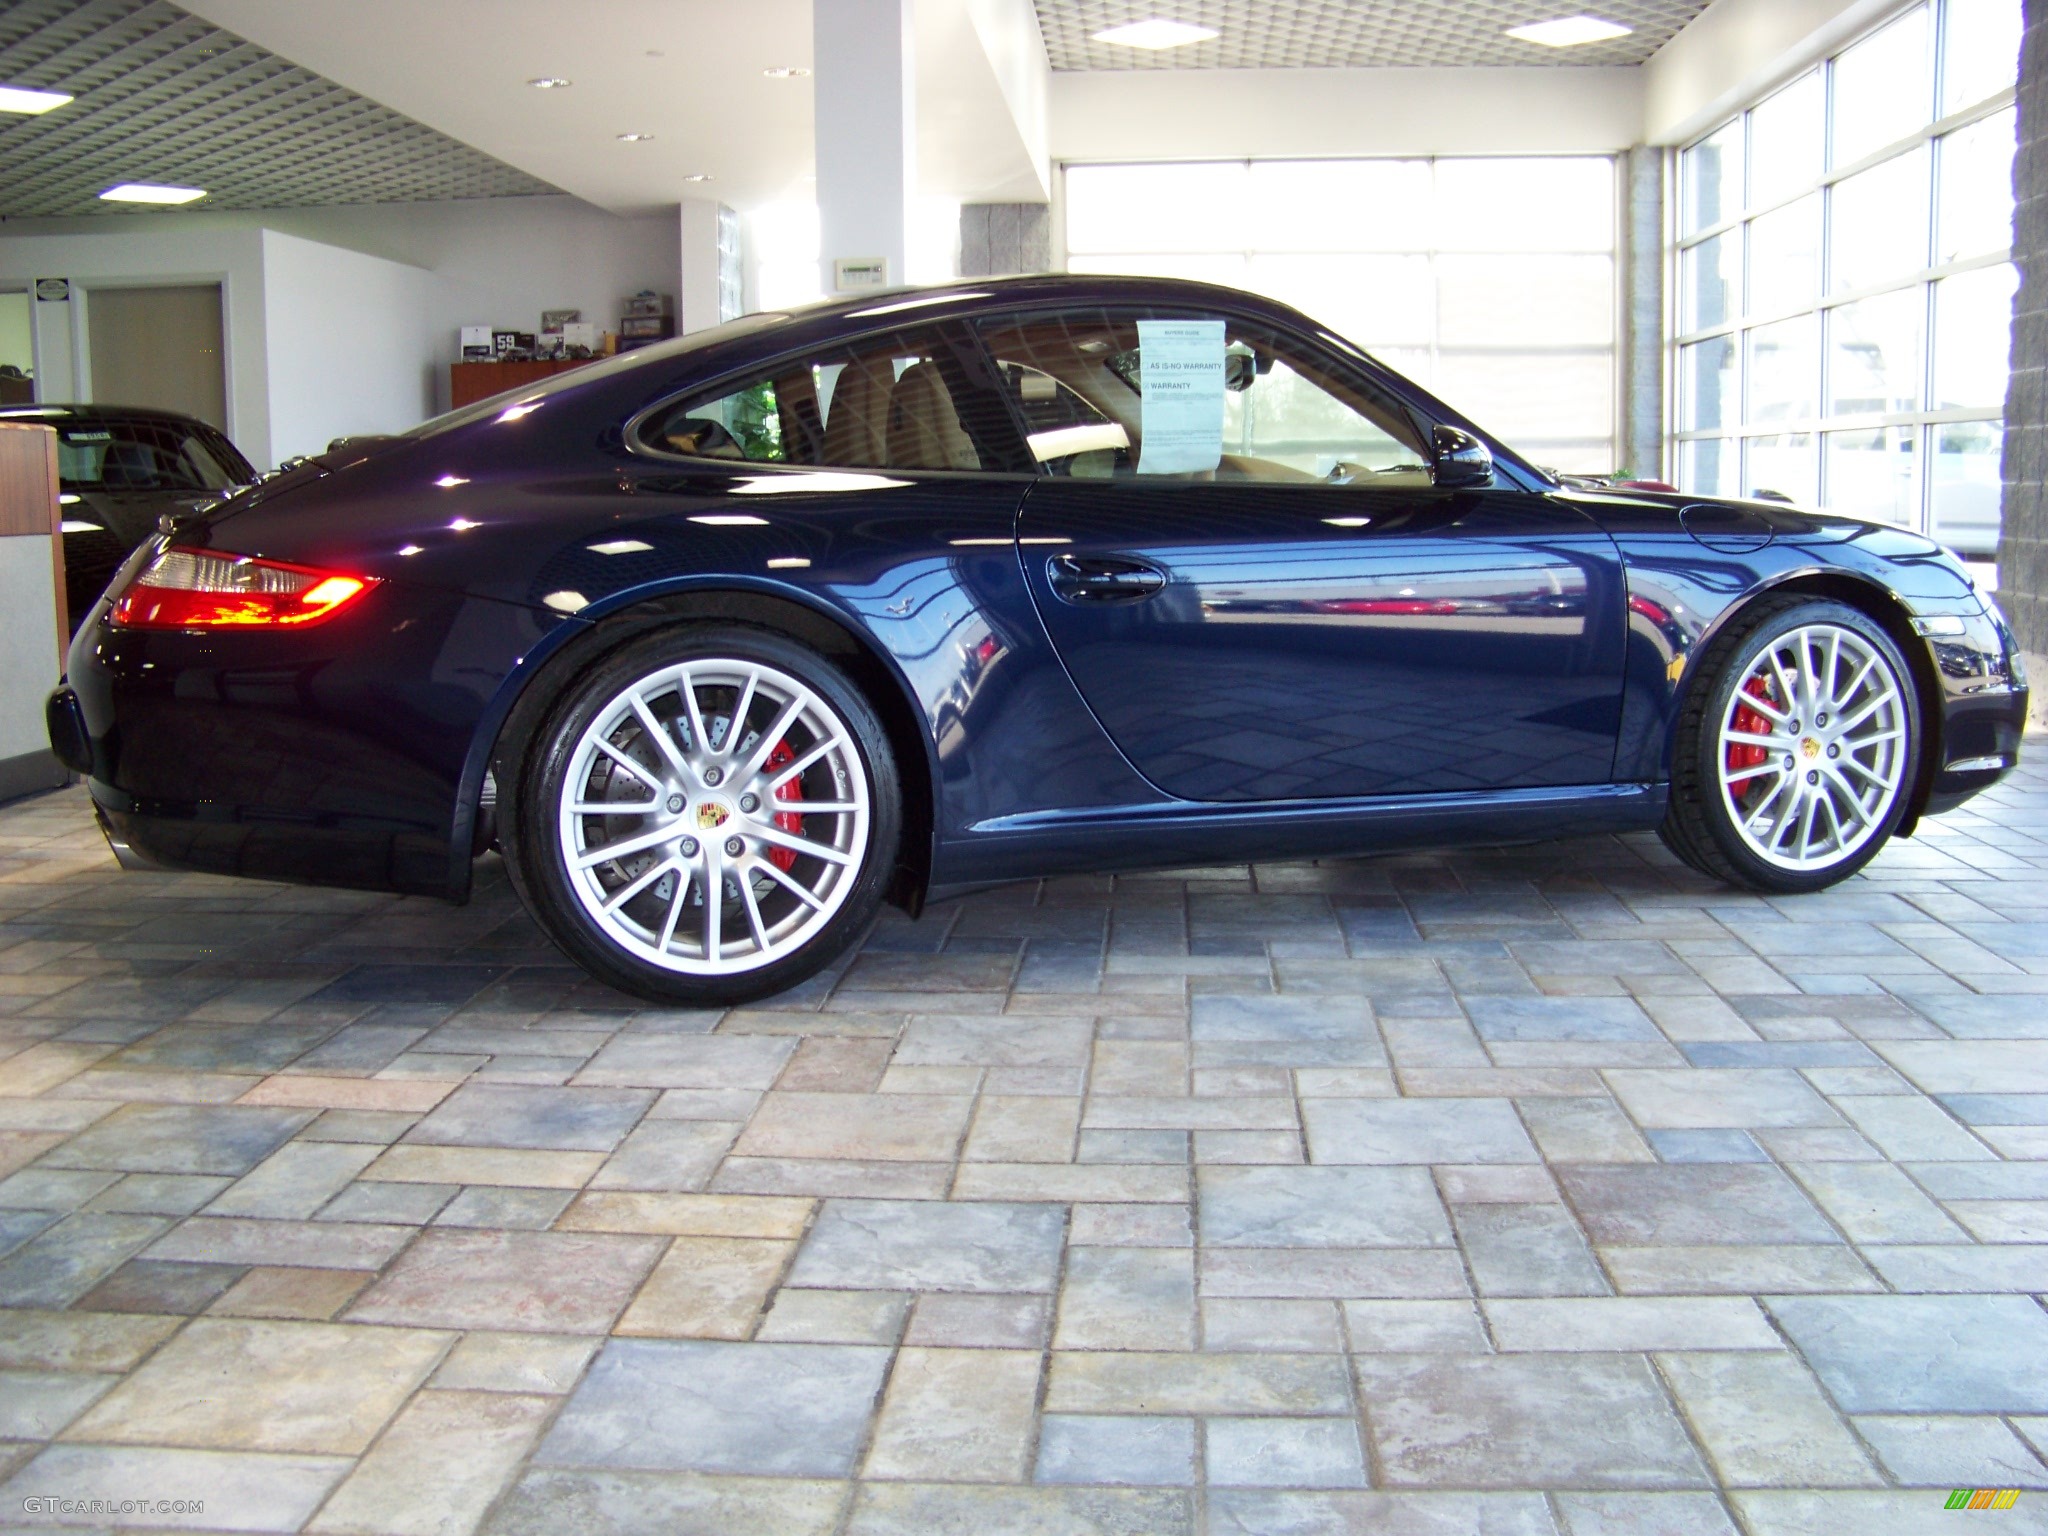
(1699, 824)
(539, 866)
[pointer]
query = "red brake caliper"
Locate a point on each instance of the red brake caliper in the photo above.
(1742, 755)
(789, 821)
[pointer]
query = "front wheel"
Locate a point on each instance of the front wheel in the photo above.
(1794, 755)
(710, 815)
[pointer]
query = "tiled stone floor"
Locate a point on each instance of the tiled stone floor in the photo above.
(1506, 1192)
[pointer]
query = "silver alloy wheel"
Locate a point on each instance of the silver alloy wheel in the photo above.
(1812, 751)
(714, 816)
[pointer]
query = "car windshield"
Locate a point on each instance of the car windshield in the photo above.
(151, 455)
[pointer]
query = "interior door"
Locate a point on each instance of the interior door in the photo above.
(1311, 616)
(159, 347)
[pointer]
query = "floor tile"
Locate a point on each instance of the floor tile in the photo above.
(905, 1128)
(919, 1509)
(1764, 1422)
(781, 1410)
(252, 1492)
(550, 1502)
(706, 1288)
(1129, 1450)
(1320, 1208)
(438, 1468)
(1929, 1354)
(931, 1246)
(539, 1282)
(557, 1119)
(1693, 1203)
(1415, 1131)
(1283, 1453)
(181, 1138)
(1586, 1421)
(957, 1415)
(1940, 1451)
(330, 1388)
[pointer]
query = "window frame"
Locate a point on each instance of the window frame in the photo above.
(1366, 383)
(957, 345)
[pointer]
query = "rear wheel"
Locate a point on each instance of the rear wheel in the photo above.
(711, 816)
(1794, 755)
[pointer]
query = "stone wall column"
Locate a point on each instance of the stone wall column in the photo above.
(2023, 545)
(1642, 447)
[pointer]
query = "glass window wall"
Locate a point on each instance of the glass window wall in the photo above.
(1488, 281)
(1845, 280)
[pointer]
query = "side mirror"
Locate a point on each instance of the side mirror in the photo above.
(1458, 459)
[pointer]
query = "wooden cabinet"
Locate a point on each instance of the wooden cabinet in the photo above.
(471, 382)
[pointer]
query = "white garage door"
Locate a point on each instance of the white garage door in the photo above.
(1488, 281)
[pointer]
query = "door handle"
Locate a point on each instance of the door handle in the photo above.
(1102, 578)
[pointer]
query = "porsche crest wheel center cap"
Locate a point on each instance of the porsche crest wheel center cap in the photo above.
(712, 814)
(1809, 749)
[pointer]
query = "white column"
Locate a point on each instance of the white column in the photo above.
(56, 349)
(864, 75)
(697, 305)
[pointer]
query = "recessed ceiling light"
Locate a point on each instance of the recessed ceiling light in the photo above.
(1156, 32)
(550, 83)
(149, 192)
(698, 176)
(15, 98)
(635, 138)
(786, 72)
(1570, 31)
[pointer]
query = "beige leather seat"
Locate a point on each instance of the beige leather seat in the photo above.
(857, 420)
(924, 429)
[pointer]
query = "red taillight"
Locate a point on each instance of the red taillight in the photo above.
(196, 589)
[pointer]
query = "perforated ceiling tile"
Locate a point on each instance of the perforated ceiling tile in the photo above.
(1353, 34)
(165, 97)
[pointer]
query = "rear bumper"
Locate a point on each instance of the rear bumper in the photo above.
(329, 756)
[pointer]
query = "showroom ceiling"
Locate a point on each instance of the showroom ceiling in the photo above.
(163, 96)
(1351, 34)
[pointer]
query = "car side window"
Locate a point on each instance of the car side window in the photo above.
(1224, 402)
(894, 402)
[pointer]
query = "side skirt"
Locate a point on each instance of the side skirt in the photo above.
(1173, 833)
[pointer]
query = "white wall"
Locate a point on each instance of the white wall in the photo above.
(501, 260)
(1736, 50)
(488, 261)
(1170, 114)
(122, 251)
(347, 348)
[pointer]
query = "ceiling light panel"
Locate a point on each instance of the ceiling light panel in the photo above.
(162, 96)
(151, 192)
(16, 98)
(1155, 32)
(1570, 32)
(1349, 34)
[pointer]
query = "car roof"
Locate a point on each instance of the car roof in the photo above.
(1020, 288)
(91, 413)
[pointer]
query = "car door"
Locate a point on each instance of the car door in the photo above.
(1267, 596)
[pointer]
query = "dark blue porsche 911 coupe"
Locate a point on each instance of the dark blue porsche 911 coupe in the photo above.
(727, 641)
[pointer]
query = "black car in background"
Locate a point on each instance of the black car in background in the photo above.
(120, 468)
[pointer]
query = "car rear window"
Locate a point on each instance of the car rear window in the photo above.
(145, 456)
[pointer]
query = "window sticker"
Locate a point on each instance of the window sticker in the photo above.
(1180, 372)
